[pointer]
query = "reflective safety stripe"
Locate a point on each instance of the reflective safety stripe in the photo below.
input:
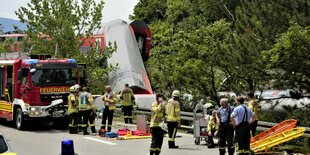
(109, 125)
(83, 125)
(221, 148)
(129, 116)
(155, 149)
(125, 116)
(71, 125)
(91, 124)
(247, 151)
(240, 151)
(170, 139)
(174, 134)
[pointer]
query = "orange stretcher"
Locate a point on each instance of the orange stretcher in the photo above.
(276, 139)
(281, 127)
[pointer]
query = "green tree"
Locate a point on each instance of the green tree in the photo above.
(289, 58)
(60, 24)
(150, 10)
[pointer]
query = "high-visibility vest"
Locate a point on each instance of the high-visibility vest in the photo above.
(212, 125)
(173, 111)
(127, 97)
(72, 103)
(157, 114)
(111, 99)
(255, 107)
(86, 101)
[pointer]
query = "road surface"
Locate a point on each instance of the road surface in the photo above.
(46, 141)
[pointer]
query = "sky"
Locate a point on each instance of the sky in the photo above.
(113, 9)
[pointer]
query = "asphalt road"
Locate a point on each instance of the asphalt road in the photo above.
(47, 141)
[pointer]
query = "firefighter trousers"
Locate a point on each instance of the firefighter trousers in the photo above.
(253, 127)
(243, 138)
(127, 114)
(92, 123)
(107, 115)
(73, 123)
(172, 131)
(157, 140)
(226, 134)
(85, 117)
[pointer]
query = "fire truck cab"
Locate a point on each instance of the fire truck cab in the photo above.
(36, 87)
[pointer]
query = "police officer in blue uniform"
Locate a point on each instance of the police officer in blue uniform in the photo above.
(226, 130)
(240, 119)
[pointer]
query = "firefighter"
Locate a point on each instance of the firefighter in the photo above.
(127, 98)
(240, 119)
(157, 116)
(109, 99)
(173, 117)
(86, 107)
(212, 129)
(73, 110)
(255, 107)
(226, 130)
(79, 116)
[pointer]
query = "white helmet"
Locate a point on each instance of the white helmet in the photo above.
(176, 93)
(77, 87)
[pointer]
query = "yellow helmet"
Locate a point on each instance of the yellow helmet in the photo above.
(176, 93)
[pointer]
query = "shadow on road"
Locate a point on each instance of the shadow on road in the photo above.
(35, 126)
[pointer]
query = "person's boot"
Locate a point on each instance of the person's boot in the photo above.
(70, 130)
(74, 131)
(126, 120)
(231, 151)
(172, 145)
(93, 130)
(210, 142)
(85, 132)
(152, 152)
(222, 151)
(130, 121)
(109, 129)
(157, 152)
(102, 127)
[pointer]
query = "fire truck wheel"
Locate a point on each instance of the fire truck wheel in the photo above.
(19, 119)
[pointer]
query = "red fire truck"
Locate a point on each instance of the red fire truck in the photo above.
(36, 87)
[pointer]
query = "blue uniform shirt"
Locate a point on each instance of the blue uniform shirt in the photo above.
(238, 114)
(224, 113)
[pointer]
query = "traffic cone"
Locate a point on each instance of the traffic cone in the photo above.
(67, 147)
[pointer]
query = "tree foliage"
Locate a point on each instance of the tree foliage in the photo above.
(206, 46)
(63, 26)
(60, 24)
(290, 55)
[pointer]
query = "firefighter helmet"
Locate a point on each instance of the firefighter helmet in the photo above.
(176, 93)
(77, 87)
(85, 88)
(72, 89)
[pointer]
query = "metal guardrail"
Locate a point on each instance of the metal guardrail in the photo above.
(188, 116)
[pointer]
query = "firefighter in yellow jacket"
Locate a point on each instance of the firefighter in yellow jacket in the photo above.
(73, 110)
(157, 116)
(109, 99)
(86, 107)
(173, 117)
(213, 128)
(255, 107)
(127, 98)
